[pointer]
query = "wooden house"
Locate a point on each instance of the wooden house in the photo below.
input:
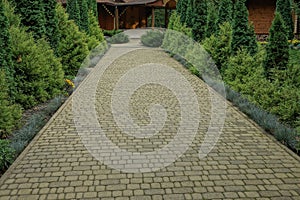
(130, 14)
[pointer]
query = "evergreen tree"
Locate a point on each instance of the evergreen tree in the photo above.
(199, 20)
(284, 7)
(92, 5)
(32, 15)
(73, 47)
(10, 114)
(277, 56)
(243, 34)
(94, 28)
(225, 12)
(5, 50)
(84, 16)
(39, 75)
(181, 9)
(189, 13)
(212, 17)
(74, 11)
(51, 24)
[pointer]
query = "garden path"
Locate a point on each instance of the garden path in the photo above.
(245, 163)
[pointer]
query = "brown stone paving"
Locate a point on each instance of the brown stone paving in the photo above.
(245, 164)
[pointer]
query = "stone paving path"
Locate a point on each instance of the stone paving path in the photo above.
(245, 163)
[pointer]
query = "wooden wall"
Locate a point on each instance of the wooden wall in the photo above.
(131, 17)
(261, 13)
(106, 21)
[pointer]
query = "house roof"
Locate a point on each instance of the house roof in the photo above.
(154, 3)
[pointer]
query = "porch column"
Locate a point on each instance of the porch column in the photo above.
(153, 18)
(117, 17)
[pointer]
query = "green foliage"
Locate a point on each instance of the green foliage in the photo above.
(243, 33)
(176, 36)
(218, 46)
(39, 74)
(277, 56)
(22, 137)
(212, 17)
(84, 16)
(189, 13)
(7, 154)
(284, 7)
(32, 15)
(153, 38)
(119, 38)
(225, 12)
(5, 50)
(111, 33)
(92, 6)
(13, 18)
(10, 113)
(159, 18)
(244, 70)
(73, 47)
(181, 8)
(73, 10)
(199, 20)
(51, 24)
(94, 29)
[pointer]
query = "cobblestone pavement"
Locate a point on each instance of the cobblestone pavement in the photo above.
(245, 163)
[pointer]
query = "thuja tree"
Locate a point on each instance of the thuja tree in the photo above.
(199, 20)
(212, 17)
(5, 49)
(277, 55)
(92, 5)
(39, 75)
(72, 47)
(181, 8)
(10, 113)
(51, 24)
(84, 15)
(225, 11)
(74, 11)
(189, 13)
(243, 35)
(284, 7)
(32, 15)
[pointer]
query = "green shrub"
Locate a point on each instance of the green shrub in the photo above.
(7, 154)
(181, 9)
(277, 56)
(243, 70)
(32, 16)
(177, 37)
(119, 38)
(51, 23)
(153, 38)
(73, 10)
(218, 46)
(111, 33)
(284, 7)
(10, 113)
(199, 20)
(243, 35)
(22, 137)
(39, 75)
(6, 63)
(73, 47)
(225, 12)
(212, 17)
(84, 16)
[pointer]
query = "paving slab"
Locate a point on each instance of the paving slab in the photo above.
(245, 163)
